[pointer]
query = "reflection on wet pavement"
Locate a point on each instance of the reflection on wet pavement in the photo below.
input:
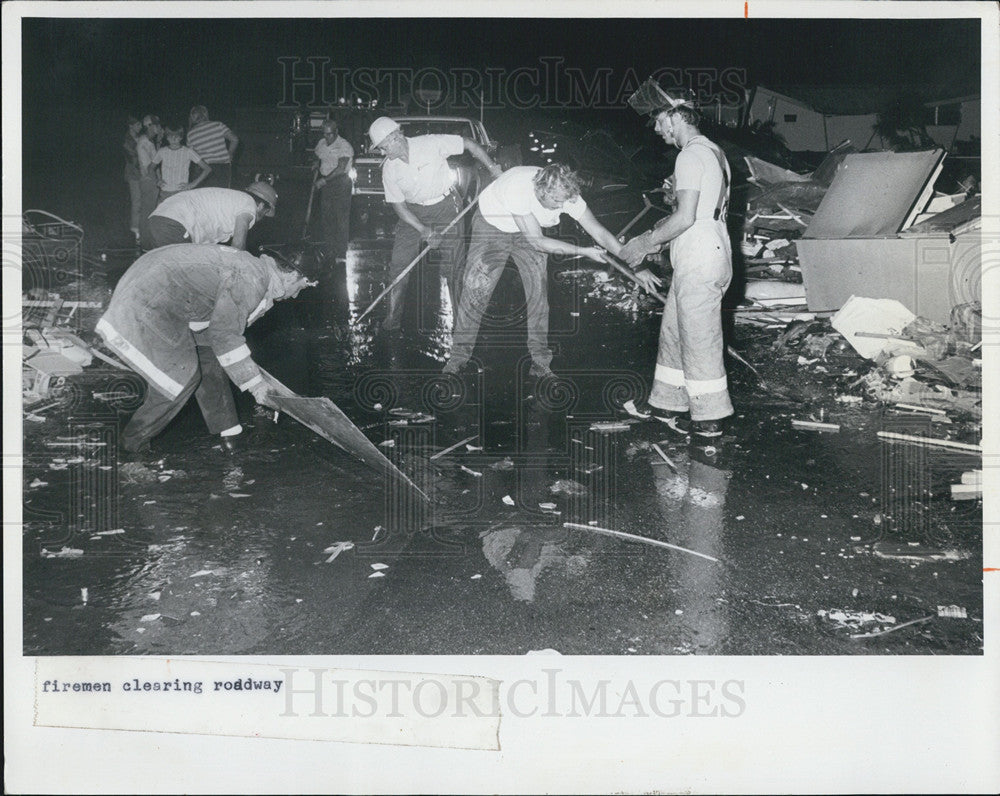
(225, 556)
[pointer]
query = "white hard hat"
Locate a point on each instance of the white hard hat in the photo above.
(381, 129)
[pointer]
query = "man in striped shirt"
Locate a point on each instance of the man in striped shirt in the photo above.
(215, 143)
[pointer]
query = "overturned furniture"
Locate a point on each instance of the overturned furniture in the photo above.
(863, 241)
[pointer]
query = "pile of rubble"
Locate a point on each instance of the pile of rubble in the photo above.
(864, 224)
(57, 302)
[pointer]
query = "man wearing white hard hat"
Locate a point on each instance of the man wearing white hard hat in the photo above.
(418, 185)
(690, 376)
(210, 215)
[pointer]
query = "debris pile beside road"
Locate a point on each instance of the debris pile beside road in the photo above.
(876, 353)
(780, 205)
(813, 240)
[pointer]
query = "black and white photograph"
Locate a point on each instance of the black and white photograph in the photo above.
(359, 329)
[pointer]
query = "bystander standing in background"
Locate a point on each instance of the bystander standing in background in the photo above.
(334, 156)
(131, 144)
(215, 143)
(149, 189)
(175, 162)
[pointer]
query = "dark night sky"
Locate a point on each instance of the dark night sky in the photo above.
(154, 64)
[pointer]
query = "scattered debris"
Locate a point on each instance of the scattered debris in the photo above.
(972, 477)
(932, 441)
(876, 319)
(611, 426)
(136, 473)
(465, 469)
(336, 549)
(845, 617)
(566, 486)
(450, 448)
(508, 500)
(810, 425)
(914, 553)
(952, 612)
(411, 418)
(966, 491)
(65, 552)
(377, 575)
(506, 463)
(634, 538)
(150, 618)
(893, 629)
(665, 459)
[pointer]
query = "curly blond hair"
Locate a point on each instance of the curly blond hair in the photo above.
(555, 179)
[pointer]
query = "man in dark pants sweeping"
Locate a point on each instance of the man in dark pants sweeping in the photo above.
(419, 186)
(508, 224)
(178, 318)
(334, 156)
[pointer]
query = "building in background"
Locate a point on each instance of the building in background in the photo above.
(818, 118)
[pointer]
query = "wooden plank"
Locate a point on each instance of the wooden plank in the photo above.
(666, 459)
(810, 425)
(450, 448)
(632, 537)
(966, 491)
(927, 409)
(940, 443)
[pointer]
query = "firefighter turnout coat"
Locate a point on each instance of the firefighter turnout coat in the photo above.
(177, 297)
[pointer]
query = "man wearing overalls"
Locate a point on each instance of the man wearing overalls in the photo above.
(690, 375)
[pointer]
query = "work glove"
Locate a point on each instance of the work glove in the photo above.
(260, 392)
(635, 251)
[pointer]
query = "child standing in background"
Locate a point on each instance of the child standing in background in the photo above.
(175, 161)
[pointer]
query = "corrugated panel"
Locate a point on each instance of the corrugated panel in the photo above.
(874, 194)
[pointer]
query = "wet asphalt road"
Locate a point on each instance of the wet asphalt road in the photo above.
(223, 555)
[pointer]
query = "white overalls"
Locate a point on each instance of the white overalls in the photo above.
(690, 374)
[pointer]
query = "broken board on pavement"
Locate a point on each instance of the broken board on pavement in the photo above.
(324, 417)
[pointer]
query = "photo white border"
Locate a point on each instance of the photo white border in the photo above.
(883, 724)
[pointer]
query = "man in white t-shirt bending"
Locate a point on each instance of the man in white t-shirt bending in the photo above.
(209, 215)
(512, 212)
